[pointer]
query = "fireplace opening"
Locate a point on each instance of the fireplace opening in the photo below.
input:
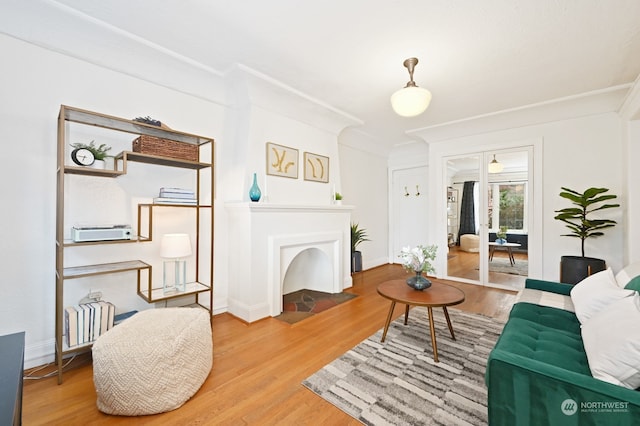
(312, 261)
(311, 269)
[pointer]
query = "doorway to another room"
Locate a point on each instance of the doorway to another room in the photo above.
(488, 212)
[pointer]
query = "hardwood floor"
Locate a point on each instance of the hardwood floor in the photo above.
(258, 368)
(464, 265)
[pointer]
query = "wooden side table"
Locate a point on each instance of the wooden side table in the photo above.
(508, 246)
(438, 295)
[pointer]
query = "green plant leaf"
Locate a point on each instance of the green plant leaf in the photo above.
(577, 219)
(358, 236)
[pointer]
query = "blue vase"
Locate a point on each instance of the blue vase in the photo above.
(418, 282)
(501, 240)
(254, 191)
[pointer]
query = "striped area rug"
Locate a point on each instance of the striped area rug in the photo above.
(398, 383)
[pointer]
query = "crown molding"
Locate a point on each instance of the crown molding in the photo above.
(585, 104)
(59, 28)
(248, 87)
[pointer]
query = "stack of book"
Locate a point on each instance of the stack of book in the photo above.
(85, 322)
(176, 196)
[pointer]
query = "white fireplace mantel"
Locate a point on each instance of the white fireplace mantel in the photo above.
(265, 239)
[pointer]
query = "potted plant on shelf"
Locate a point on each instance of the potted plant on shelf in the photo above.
(90, 154)
(337, 198)
(574, 269)
(358, 235)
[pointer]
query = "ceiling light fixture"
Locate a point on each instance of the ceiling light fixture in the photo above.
(411, 100)
(495, 166)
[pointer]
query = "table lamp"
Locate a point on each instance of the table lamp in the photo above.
(174, 248)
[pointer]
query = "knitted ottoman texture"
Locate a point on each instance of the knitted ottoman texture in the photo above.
(470, 243)
(153, 362)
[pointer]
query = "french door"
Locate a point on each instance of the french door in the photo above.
(489, 194)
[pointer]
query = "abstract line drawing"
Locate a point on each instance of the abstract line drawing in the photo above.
(316, 167)
(282, 160)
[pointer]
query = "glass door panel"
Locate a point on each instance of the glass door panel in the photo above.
(507, 201)
(485, 203)
(463, 224)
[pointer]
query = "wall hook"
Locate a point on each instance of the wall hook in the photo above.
(417, 191)
(406, 193)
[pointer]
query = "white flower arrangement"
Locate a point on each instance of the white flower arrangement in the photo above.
(419, 258)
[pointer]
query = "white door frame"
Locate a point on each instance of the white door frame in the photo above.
(438, 190)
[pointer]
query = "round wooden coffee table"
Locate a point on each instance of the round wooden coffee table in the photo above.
(438, 295)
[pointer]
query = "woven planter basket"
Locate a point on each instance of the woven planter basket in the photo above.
(165, 148)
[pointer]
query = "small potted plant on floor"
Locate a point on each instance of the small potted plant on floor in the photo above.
(582, 225)
(358, 235)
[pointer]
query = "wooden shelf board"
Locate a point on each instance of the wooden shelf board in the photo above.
(159, 160)
(104, 268)
(202, 206)
(88, 171)
(135, 239)
(157, 294)
(77, 115)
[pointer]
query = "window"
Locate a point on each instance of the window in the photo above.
(507, 206)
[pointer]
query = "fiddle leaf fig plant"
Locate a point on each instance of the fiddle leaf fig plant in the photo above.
(579, 219)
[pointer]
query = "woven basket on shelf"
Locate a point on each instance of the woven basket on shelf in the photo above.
(165, 148)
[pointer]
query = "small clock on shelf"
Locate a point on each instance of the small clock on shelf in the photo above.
(87, 154)
(82, 157)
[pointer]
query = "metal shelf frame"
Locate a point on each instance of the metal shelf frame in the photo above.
(145, 288)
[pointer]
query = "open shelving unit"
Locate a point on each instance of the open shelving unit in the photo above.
(146, 289)
(452, 216)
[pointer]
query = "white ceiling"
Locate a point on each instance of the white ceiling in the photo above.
(476, 57)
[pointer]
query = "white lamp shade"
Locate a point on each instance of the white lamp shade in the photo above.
(174, 246)
(410, 101)
(495, 167)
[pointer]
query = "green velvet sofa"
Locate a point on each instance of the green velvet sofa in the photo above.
(538, 373)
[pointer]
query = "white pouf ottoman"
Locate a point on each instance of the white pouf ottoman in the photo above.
(153, 362)
(470, 243)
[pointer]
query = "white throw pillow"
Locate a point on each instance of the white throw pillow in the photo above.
(594, 293)
(612, 343)
(627, 274)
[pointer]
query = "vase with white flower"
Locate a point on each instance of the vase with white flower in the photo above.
(418, 260)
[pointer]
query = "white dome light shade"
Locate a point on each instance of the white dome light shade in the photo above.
(410, 101)
(495, 166)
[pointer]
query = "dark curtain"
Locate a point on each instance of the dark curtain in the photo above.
(467, 215)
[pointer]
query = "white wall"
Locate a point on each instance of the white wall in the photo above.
(632, 193)
(364, 185)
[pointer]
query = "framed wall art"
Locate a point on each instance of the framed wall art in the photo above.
(282, 161)
(316, 167)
